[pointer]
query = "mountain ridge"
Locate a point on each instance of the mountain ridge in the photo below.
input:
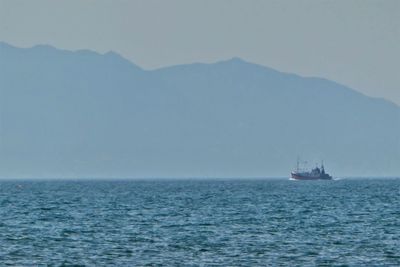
(231, 60)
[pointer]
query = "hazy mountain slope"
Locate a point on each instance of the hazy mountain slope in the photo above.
(85, 114)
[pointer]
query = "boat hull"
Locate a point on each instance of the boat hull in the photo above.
(305, 177)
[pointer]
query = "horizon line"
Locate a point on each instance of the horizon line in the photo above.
(182, 178)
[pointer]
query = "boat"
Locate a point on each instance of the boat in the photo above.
(317, 173)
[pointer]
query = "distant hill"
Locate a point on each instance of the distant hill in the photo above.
(84, 114)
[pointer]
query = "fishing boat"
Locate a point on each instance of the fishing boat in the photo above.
(317, 173)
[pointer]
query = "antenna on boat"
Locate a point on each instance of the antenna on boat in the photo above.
(297, 166)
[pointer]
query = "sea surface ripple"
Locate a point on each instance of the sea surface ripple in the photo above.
(352, 222)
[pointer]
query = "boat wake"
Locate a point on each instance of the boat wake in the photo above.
(339, 178)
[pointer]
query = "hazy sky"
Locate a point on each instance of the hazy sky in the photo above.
(356, 43)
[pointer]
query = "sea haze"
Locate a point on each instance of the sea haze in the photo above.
(200, 222)
(84, 114)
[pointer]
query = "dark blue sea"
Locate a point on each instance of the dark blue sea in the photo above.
(349, 222)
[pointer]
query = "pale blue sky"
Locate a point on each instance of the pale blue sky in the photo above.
(356, 43)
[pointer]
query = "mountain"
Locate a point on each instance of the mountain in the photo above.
(84, 114)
